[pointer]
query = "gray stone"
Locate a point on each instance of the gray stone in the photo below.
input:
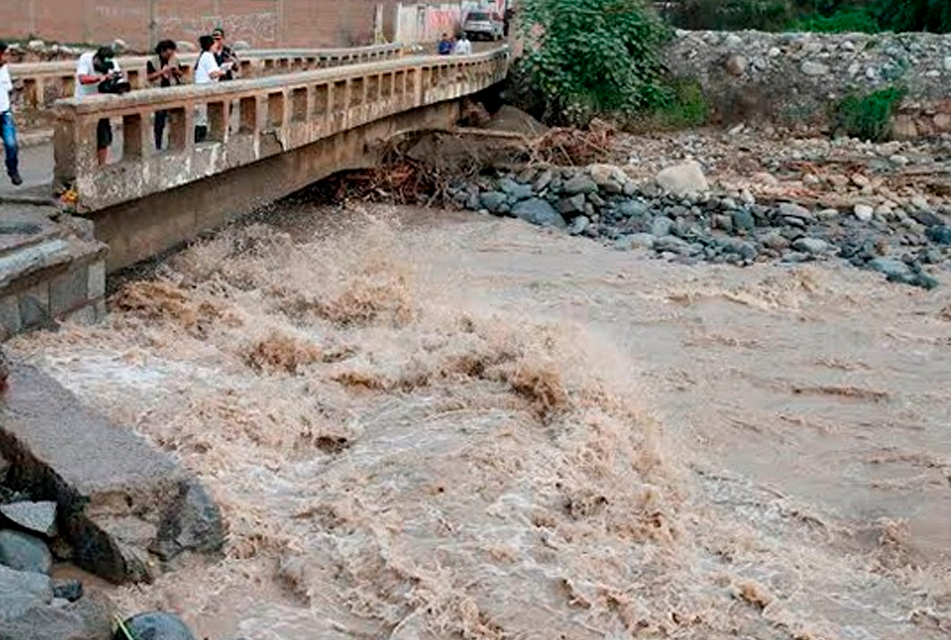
(775, 241)
(579, 183)
(579, 225)
(596, 200)
(890, 267)
(939, 234)
(609, 178)
(537, 211)
(69, 290)
(35, 305)
(156, 626)
(683, 179)
(812, 68)
(736, 65)
(793, 210)
(863, 212)
(927, 218)
(572, 206)
(23, 552)
(744, 250)
(493, 200)
(192, 523)
(516, 190)
(661, 226)
(9, 316)
(744, 220)
(543, 180)
(632, 208)
(21, 591)
(86, 619)
(38, 517)
(812, 246)
(673, 244)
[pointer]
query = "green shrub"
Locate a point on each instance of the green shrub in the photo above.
(687, 107)
(845, 20)
(593, 56)
(914, 15)
(869, 116)
(728, 15)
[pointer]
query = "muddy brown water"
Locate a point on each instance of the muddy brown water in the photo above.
(424, 424)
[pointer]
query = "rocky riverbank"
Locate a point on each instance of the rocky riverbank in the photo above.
(877, 207)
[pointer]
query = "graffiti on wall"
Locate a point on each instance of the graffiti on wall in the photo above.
(258, 29)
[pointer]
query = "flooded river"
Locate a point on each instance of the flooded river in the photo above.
(432, 425)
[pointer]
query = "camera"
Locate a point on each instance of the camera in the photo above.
(116, 83)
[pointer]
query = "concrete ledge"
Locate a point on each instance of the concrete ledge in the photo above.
(124, 507)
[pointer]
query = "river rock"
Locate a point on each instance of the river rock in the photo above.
(579, 225)
(24, 552)
(579, 183)
(793, 210)
(812, 246)
(632, 208)
(634, 241)
(683, 179)
(941, 235)
(673, 244)
(194, 521)
(22, 590)
(543, 180)
(609, 178)
(812, 68)
(538, 211)
(572, 206)
(864, 212)
(493, 201)
(515, 190)
(890, 267)
(661, 226)
(39, 517)
(155, 625)
(743, 220)
(87, 619)
(926, 217)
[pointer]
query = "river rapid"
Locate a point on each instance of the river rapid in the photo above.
(424, 424)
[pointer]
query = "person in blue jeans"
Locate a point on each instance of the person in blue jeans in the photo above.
(8, 127)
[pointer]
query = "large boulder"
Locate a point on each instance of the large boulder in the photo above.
(683, 179)
(23, 552)
(155, 625)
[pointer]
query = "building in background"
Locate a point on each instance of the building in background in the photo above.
(262, 24)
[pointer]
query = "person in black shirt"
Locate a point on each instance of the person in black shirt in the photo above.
(224, 54)
(163, 70)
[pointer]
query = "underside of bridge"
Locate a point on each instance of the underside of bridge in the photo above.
(144, 228)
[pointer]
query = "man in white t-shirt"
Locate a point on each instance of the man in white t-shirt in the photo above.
(94, 68)
(8, 126)
(206, 72)
(463, 46)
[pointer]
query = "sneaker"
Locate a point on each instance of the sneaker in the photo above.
(16, 179)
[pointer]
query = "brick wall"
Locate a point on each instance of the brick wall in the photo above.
(140, 23)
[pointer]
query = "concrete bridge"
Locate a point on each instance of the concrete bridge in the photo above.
(269, 135)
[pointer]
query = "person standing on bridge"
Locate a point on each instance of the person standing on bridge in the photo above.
(206, 72)
(7, 125)
(463, 46)
(225, 55)
(445, 45)
(94, 68)
(163, 70)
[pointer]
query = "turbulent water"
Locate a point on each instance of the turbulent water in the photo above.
(421, 425)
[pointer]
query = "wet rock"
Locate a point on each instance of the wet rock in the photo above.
(71, 589)
(493, 200)
(38, 517)
(543, 180)
(579, 183)
(683, 179)
(21, 591)
(632, 208)
(579, 225)
(538, 211)
(193, 522)
(155, 626)
(812, 246)
(87, 619)
(926, 218)
(24, 552)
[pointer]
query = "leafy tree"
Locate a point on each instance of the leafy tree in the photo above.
(593, 56)
(915, 15)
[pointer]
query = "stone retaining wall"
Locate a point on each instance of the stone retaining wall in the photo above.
(793, 78)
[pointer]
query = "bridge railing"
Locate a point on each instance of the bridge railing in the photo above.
(248, 120)
(46, 82)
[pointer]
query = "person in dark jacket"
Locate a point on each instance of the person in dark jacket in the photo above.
(445, 45)
(224, 54)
